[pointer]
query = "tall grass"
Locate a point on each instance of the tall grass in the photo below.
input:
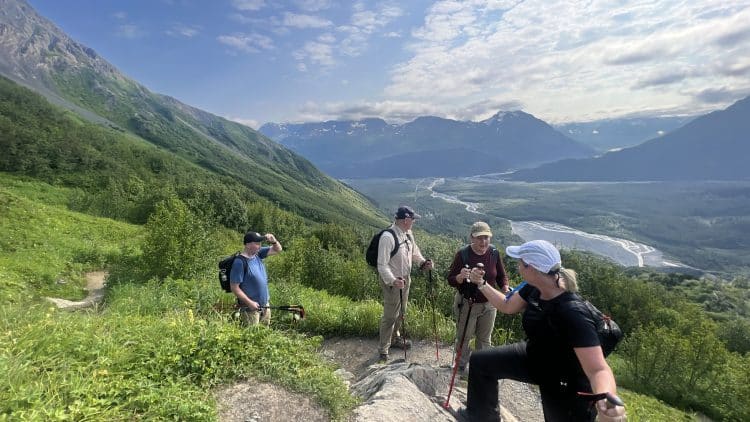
(112, 366)
(44, 248)
(155, 348)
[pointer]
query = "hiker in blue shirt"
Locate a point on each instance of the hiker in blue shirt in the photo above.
(251, 285)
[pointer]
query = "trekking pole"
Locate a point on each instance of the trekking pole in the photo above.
(297, 310)
(458, 317)
(403, 321)
(434, 321)
(446, 405)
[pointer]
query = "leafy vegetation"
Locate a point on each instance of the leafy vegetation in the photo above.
(171, 337)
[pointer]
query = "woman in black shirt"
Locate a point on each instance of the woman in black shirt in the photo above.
(562, 353)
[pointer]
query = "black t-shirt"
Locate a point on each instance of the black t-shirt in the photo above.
(553, 328)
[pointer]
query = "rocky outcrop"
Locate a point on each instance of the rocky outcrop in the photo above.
(403, 391)
(416, 392)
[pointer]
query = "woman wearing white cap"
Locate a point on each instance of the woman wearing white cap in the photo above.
(563, 360)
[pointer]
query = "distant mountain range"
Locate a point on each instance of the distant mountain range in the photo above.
(427, 146)
(715, 146)
(609, 134)
(38, 55)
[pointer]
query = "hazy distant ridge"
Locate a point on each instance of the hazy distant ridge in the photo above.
(711, 147)
(427, 146)
(608, 134)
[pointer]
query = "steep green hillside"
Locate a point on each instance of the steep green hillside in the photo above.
(44, 247)
(122, 176)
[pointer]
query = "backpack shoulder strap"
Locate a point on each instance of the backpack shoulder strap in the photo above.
(495, 254)
(244, 263)
(395, 241)
(464, 255)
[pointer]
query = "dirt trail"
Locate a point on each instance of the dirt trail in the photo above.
(95, 287)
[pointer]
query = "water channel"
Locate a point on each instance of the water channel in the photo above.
(624, 252)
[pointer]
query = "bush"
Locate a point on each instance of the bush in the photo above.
(177, 243)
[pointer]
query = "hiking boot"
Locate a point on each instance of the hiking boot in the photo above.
(401, 343)
(463, 415)
(383, 358)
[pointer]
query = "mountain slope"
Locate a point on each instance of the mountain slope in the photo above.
(38, 55)
(711, 147)
(427, 146)
(609, 134)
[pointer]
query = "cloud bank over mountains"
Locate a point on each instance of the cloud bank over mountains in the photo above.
(316, 60)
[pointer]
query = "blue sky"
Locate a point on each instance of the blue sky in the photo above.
(257, 61)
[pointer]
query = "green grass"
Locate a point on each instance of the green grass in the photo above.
(642, 408)
(154, 349)
(44, 248)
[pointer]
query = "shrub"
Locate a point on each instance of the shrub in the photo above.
(177, 243)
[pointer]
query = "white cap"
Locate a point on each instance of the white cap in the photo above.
(540, 254)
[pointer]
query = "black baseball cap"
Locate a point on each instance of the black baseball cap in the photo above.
(406, 212)
(253, 237)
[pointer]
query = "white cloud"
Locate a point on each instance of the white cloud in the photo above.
(327, 38)
(313, 5)
(252, 123)
(130, 31)
(248, 43)
(392, 111)
(316, 52)
(186, 31)
(305, 21)
(248, 4)
(364, 23)
(565, 60)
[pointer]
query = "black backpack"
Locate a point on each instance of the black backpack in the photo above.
(609, 332)
(225, 267)
(371, 255)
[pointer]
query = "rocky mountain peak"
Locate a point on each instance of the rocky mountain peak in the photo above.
(32, 47)
(505, 116)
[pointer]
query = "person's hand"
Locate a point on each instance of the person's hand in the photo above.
(463, 275)
(608, 412)
(271, 238)
(427, 265)
(476, 275)
(254, 306)
(399, 283)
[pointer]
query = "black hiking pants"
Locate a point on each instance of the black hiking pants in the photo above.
(486, 367)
